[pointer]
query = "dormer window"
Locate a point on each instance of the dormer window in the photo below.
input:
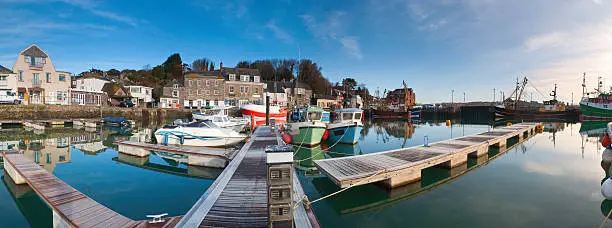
(256, 78)
(244, 78)
(232, 77)
(175, 86)
(35, 61)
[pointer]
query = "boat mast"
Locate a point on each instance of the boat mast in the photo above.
(584, 84)
(554, 93)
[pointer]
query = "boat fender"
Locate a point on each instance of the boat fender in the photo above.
(325, 135)
(606, 189)
(286, 138)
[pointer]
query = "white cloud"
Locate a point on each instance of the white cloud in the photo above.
(334, 29)
(549, 40)
(351, 45)
(278, 32)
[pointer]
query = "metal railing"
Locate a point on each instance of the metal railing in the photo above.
(36, 83)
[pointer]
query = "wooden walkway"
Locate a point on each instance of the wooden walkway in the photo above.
(238, 198)
(208, 151)
(403, 166)
(70, 207)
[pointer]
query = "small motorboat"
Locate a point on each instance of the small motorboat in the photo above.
(199, 133)
(308, 130)
(220, 117)
(116, 121)
(346, 126)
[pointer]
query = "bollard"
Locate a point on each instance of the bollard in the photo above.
(280, 185)
(426, 139)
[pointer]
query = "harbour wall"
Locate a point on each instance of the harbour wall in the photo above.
(45, 112)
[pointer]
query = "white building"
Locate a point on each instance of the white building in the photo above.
(8, 79)
(38, 82)
(90, 84)
(141, 95)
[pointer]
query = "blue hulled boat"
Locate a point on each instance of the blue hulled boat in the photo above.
(346, 126)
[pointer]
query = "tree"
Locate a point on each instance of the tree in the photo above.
(202, 64)
(243, 64)
(212, 66)
(113, 72)
(349, 83)
(173, 67)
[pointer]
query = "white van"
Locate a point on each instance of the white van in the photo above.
(9, 97)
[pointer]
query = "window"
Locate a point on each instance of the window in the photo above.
(231, 89)
(241, 89)
(190, 82)
(347, 116)
(232, 77)
(36, 79)
(48, 77)
(190, 92)
(175, 93)
(207, 83)
(246, 89)
(199, 92)
(3, 78)
(21, 76)
(62, 77)
(198, 82)
(60, 95)
(244, 78)
(256, 78)
(216, 92)
(175, 86)
(207, 92)
(256, 90)
(135, 89)
(217, 82)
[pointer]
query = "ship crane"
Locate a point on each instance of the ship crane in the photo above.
(517, 93)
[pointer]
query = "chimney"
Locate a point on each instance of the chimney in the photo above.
(221, 66)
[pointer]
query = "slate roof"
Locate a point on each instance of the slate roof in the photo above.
(5, 70)
(214, 73)
(226, 71)
(35, 51)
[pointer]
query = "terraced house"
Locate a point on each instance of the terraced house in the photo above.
(242, 86)
(204, 89)
(38, 82)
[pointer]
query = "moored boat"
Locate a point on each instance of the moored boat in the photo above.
(309, 130)
(200, 133)
(220, 117)
(346, 126)
(258, 113)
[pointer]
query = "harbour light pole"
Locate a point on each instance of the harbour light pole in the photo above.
(452, 98)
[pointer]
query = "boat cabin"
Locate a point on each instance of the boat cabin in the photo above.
(307, 114)
(348, 115)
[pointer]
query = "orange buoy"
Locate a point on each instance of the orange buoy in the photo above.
(286, 137)
(325, 135)
(605, 142)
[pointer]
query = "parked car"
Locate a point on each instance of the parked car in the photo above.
(8, 97)
(126, 103)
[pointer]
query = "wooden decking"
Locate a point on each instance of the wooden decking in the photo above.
(218, 152)
(238, 198)
(67, 203)
(402, 166)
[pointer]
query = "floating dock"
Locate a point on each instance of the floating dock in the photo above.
(402, 166)
(208, 157)
(70, 207)
(238, 198)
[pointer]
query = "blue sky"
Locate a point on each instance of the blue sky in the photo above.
(436, 46)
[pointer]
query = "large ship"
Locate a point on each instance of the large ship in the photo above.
(598, 107)
(397, 105)
(551, 110)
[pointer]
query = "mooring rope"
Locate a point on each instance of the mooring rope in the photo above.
(322, 150)
(605, 219)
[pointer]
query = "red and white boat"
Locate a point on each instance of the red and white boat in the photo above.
(259, 113)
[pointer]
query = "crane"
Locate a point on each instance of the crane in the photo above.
(517, 93)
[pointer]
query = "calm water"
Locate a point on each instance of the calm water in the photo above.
(551, 180)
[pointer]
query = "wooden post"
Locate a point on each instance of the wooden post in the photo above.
(280, 185)
(267, 109)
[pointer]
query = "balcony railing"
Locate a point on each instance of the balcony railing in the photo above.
(36, 83)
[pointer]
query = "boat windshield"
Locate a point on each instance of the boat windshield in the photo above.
(347, 115)
(358, 116)
(314, 115)
(202, 124)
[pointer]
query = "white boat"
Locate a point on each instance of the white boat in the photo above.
(220, 117)
(200, 133)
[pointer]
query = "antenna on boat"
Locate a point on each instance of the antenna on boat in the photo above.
(584, 84)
